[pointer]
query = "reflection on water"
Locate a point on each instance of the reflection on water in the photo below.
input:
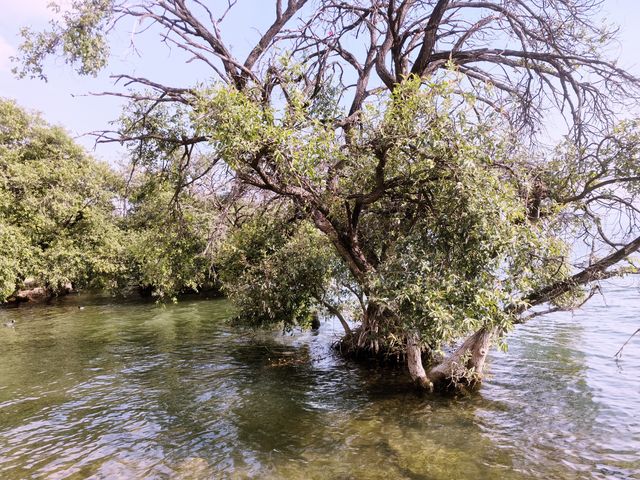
(141, 391)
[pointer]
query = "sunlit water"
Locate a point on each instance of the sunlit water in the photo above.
(136, 390)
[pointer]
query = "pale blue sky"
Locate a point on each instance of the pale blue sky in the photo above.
(63, 99)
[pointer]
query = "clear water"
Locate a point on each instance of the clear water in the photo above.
(136, 390)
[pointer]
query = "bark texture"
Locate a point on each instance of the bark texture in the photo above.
(414, 362)
(461, 370)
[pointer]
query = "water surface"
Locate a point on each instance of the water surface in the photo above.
(136, 390)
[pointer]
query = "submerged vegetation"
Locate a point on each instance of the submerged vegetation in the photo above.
(399, 185)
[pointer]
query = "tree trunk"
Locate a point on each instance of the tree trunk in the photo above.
(414, 362)
(370, 339)
(368, 331)
(338, 314)
(463, 368)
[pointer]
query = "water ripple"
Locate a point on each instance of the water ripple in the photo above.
(140, 391)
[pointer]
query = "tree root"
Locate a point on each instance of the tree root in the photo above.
(460, 372)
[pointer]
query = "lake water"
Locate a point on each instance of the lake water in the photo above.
(136, 390)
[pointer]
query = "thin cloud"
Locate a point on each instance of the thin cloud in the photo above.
(39, 9)
(6, 51)
(31, 8)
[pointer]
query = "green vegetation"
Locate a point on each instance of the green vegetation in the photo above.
(277, 271)
(65, 221)
(167, 240)
(56, 209)
(444, 248)
(378, 160)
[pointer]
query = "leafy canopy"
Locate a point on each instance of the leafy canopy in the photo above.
(447, 235)
(56, 208)
(67, 220)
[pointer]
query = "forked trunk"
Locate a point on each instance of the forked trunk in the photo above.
(462, 369)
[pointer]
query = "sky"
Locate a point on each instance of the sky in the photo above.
(66, 100)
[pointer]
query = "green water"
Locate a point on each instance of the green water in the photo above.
(139, 391)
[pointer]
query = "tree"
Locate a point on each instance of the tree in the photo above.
(394, 128)
(167, 238)
(68, 221)
(56, 209)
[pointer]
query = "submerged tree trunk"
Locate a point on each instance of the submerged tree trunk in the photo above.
(370, 340)
(369, 329)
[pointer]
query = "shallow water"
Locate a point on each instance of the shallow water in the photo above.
(136, 390)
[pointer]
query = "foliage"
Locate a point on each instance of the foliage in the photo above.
(167, 239)
(276, 270)
(78, 35)
(396, 133)
(56, 208)
(59, 224)
(450, 240)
